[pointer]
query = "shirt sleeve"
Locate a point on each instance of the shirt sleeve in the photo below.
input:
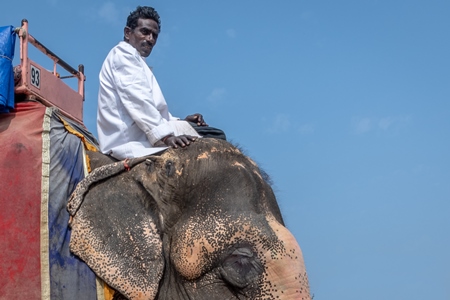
(136, 94)
(172, 118)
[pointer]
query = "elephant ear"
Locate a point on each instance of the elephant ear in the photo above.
(115, 231)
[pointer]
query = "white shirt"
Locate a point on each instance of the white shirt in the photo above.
(132, 113)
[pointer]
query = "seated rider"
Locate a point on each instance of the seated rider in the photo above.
(132, 117)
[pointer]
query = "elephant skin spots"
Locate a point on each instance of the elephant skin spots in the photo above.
(285, 274)
(203, 155)
(179, 172)
(191, 252)
(86, 244)
(238, 164)
(190, 261)
(214, 149)
(117, 236)
(269, 258)
(205, 240)
(225, 150)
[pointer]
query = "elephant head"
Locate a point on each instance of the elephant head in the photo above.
(199, 222)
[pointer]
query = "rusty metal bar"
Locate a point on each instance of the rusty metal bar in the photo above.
(48, 52)
(54, 93)
(81, 81)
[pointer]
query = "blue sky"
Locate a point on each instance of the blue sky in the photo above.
(344, 103)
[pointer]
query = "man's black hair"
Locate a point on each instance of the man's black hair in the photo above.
(143, 12)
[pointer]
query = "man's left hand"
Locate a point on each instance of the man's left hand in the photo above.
(196, 118)
(181, 140)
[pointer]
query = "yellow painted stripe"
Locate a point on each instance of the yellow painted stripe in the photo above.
(85, 142)
(73, 131)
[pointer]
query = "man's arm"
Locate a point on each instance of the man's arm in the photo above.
(137, 96)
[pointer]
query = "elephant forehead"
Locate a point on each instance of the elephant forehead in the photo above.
(206, 240)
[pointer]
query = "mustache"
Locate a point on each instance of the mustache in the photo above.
(147, 44)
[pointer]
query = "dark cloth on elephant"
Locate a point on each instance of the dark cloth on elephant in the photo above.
(209, 132)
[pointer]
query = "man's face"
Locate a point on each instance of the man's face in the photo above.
(143, 37)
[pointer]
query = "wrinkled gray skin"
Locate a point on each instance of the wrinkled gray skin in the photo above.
(198, 222)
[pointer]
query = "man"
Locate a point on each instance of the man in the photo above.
(133, 118)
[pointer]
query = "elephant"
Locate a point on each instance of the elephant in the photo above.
(200, 222)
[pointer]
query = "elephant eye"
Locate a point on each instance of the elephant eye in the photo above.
(170, 168)
(241, 267)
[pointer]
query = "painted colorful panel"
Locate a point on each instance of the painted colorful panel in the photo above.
(40, 165)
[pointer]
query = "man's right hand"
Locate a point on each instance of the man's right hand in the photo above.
(181, 140)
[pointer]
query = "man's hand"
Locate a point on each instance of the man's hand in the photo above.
(181, 140)
(196, 118)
